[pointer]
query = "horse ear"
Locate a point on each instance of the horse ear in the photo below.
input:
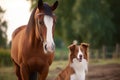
(54, 6)
(40, 4)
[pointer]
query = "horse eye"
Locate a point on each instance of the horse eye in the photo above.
(41, 22)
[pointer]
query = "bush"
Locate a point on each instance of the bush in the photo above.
(5, 59)
(61, 54)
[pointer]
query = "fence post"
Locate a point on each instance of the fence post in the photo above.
(117, 49)
(103, 51)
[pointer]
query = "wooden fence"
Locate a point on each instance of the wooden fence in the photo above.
(105, 52)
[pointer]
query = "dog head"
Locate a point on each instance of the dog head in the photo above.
(78, 52)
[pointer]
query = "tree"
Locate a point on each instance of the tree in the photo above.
(93, 23)
(84, 20)
(3, 30)
(115, 9)
(64, 21)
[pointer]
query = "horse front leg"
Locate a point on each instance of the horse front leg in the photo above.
(43, 74)
(17, 70)
(24, 72)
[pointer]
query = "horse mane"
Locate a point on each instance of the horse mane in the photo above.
(31, 21)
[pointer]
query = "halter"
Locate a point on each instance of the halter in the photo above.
(44, 14)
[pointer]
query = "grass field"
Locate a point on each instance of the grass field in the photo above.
(7, 73)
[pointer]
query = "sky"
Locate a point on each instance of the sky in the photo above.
(17, 14)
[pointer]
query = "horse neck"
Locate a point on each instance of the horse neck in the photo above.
(31, 35)
(33, 40)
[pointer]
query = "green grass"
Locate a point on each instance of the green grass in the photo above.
(7, 73)
(59, 63)
(5, 59)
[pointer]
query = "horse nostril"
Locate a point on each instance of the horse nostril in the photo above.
(49, 47)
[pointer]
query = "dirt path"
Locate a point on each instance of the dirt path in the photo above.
(104, 72)
(97, 72)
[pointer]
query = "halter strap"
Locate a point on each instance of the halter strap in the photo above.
(44, 14)
(40, 14)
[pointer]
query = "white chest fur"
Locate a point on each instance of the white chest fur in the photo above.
(80, 69)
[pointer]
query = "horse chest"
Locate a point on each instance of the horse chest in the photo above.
(33, 55)
(37, 57)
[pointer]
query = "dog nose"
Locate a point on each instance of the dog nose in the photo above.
(80, 56)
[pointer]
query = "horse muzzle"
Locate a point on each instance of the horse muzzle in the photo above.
(49, 47)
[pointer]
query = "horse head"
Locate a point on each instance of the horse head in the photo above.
(45, 24)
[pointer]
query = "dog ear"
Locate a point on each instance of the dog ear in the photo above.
(72, 47)
(84, 47)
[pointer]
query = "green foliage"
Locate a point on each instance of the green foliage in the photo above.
(61, 54)
(115, 9)
(64, 21)
(89, 21)
(3, 30)
(5, 59)
(93, 22)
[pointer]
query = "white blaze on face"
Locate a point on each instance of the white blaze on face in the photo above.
(48, 20)
(79, 53)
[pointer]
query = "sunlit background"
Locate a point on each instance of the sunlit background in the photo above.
(96, 22)
(17, 13)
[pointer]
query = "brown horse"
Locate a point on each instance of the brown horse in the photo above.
(33, 46)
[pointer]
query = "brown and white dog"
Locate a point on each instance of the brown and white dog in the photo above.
(78, 63)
